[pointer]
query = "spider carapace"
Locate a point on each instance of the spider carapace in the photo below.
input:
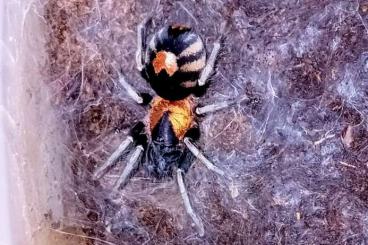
(175, 65)
(168, 123)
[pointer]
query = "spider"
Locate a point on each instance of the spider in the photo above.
(175, 65)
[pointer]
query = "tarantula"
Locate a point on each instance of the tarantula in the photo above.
(175, 65)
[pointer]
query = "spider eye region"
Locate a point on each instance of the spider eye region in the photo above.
(165, 61)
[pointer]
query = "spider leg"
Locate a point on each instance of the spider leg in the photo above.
(188, 207)
(208, 69)
(101, 171)
(140, 98)
(198, 154)
(141, 43)
(133, 135)
(130, 90)
(129, 168)
(213, 107)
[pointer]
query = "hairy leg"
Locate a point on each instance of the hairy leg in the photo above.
(140, 98)
(141, 43)
(213, 107)
(198, 154)
(101, 171)
(188, 207)
(133, 136)
(208, 69)
(129, 168)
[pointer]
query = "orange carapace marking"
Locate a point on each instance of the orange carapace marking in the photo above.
(165, 61)
(180, 114)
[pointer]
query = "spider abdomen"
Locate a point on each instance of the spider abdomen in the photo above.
(175, 58)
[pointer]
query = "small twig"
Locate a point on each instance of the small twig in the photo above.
(82, 236)
(347, 164)
(325, 137)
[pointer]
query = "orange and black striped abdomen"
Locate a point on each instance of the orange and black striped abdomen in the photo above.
(175, 58)
(170, 120)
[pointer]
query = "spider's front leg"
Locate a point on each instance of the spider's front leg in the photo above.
(188, 207)
(136, 137)
(193, 135)
(134, 160)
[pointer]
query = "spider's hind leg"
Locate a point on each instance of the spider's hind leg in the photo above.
(141, 43)
(210, 66)
(139, 98)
